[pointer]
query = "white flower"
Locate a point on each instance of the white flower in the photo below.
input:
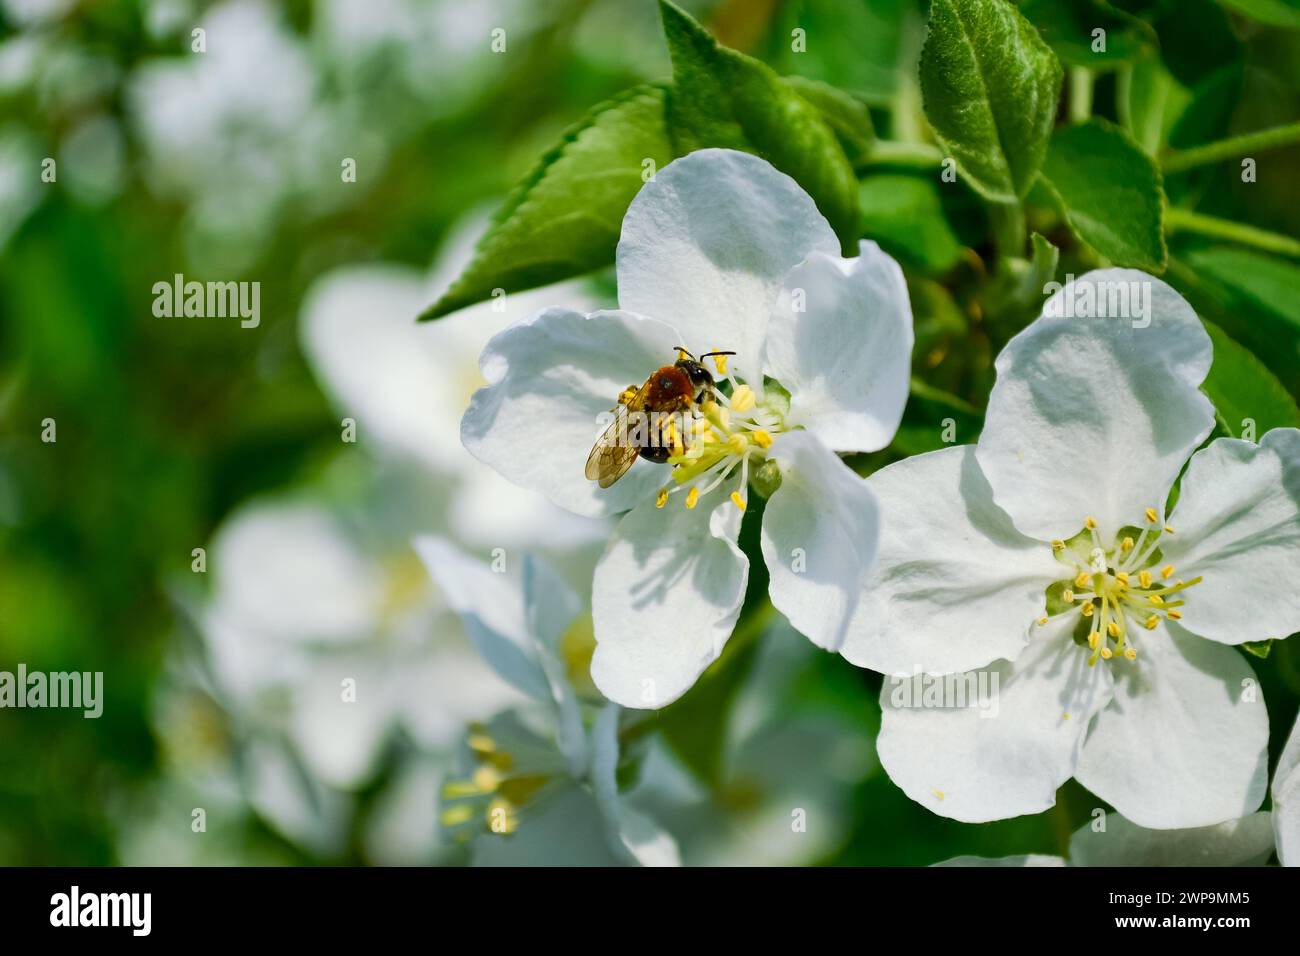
(718, 251)
(526, 790)
(406, 383)
(1286, 801)
(1247, 841)
(1044, 553)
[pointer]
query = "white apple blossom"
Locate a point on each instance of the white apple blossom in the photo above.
(718, 251)
(1043, 555)
(1246, 841)
(537, 792)
(1286, 801)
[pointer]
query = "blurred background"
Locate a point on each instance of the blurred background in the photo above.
(209, 531)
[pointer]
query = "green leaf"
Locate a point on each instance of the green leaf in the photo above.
(904, 214)
(1275, 13)
(564, 218)
(1112, 193)
(990, 86)
(846, 115)
(1260, 649)
(1068, 25)
(1247, 398)
(726, 99)
(1150, 101)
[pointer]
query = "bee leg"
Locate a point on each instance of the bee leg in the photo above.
(628, 394)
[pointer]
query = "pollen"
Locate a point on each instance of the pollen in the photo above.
(1122, 577)
(1130, 653)
(1144, 579)
(1083, 580)
(1127, 544)
(1167, 571)
(1094, 639)
(738, 501)
(1151, 622)
(1089, 609)
(692, 497)
(1090, 523)
(1112, 629)
(743, 399)
(1152, 517)
(1156, 599)
(762, 437)
(661, 499)
(1107, 653)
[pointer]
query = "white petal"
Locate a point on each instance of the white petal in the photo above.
(1286, 801)
(1005, 754)
(550, 606)
(846, 358)
(342, 714)
(1093, 417)
(706, 243)
(634, 834)
(955, 586)
(1247, 841)
(665, 597)
(288, 570)
(552, 378)
(1237, 524)
(493, 611)
(819, 537)
(562, 827)
(1031, 859)
(1184, 742)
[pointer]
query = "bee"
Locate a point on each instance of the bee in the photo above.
(671, 390)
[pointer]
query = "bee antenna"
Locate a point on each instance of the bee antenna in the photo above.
(707, 354)
(684, 350)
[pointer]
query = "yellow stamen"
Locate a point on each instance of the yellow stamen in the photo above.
(762, 438)
(1112, 629)
(1167, 571)
(1130, 653)
(720, 361)
(692, 497)
(1156, 599)
(1169, 529)
(486, 778)
(738, 501)
(1122, 577)
(1042, 621)
(1144, 578)
(1126, 544)
(1067, 596)
(1152, 516)
(1151, 622)
(1094, 639)
(661, 499)
(1106, 653)
(1083, 580)
(737, 444)
(455, 816)
(1090, 523)
(743, 399)
(1058, 545)
(1176, 615)
(1088, 609)
(481, 743)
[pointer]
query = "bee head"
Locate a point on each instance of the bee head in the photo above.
(700, 376)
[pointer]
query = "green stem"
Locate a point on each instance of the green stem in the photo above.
(1184, 220)
(1008, 223)
(1080, 94)
(1175, 161)
(885, 152)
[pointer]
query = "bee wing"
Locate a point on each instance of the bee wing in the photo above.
(613, 453)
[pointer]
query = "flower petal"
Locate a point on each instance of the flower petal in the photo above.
(1031, 859)
(1094, 416)
(706, 243)
(1237, 524)
(1014, 743)
(493, 612)
(1247, 841)
(1286, 801)
(550, 606)
(840, 341)
(632, 833)
(955, 585)
(1184, 742)
(666, 595)
(552, 378)
(820, 530)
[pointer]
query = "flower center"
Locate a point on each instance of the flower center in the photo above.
(728, 436)
(493, 793)
(1116, 590)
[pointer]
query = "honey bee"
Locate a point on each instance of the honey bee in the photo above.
(667, 393)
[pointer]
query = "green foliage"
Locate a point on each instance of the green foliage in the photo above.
(723, 98)
(1112, 193)
(990, 86)
(1068, 27)
(1242, 390)
(564, 218)
(904, 214)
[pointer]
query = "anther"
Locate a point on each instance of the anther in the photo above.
(762, 438)
(1090, 523)
(1088, 609)
(1094, 639)
(1082, 580)
(661, 499)
(1176, 615)
(1151, 622)
(1167, 571)
(1152, 516)
(1067, 596)
(1058, 545)
(1144, 578)
(743, 399)
(692, 497)
(720, 361)
(1130, 653)
(1112, 629)
(1126, 544)
(1106, 653)
(738, 501)
(1122, 577)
